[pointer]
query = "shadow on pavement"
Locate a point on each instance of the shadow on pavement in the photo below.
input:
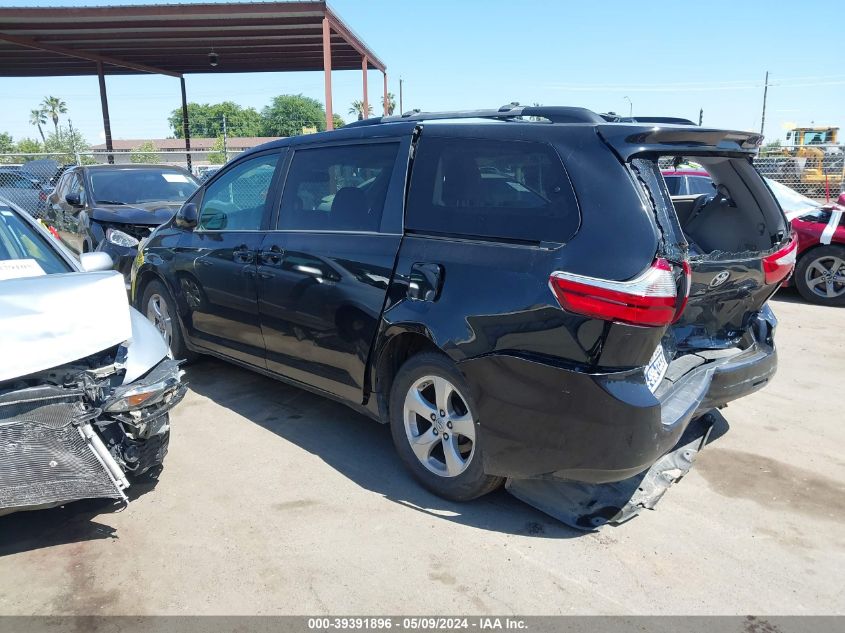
(789, 295)
(359, 448)
(73, 522)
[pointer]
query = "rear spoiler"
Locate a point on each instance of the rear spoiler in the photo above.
(629, 140)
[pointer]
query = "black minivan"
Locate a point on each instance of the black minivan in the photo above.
(514, 291)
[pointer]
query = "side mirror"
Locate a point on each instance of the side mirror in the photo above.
(92, 262)
(186, 217)
(73, 199)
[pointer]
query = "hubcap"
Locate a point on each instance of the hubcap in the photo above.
(826, 277)
(439, 426)
(159, 315)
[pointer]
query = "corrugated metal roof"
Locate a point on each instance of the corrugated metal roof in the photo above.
(176, 39)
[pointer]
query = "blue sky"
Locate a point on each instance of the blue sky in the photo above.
(666, 58)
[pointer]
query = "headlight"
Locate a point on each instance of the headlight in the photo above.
(159, 385)
(120, 238)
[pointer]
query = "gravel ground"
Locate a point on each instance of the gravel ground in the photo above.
(275, 501)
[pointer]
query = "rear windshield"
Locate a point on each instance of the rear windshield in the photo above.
(512, 190)
(134, 186)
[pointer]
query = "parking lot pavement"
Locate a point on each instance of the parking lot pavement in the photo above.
(276, 501)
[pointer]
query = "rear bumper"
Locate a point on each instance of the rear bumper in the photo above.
(539, 418)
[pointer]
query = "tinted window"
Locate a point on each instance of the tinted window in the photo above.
(236, 200)
(9, 179)
(700, 184)
(675, 185)
(20, 241)
(501, 189)
(134, 186)
(338, 188)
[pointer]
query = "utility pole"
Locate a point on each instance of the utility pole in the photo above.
(73, 142)
(225, 142)
(700, 116)
(765, 92)
(401, 109)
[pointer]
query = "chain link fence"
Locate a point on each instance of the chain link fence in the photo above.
(27, 179)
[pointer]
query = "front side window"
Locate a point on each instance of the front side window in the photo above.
(515, 190)
(19, 241)
(236, 201)
(340, 188)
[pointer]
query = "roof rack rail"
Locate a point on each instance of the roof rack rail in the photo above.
(555, 114)
(615, 118)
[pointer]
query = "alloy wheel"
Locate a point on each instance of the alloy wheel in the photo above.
(825, 277)
(159, 315)
(439, 426)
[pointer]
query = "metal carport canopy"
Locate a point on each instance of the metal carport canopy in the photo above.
(175, 40)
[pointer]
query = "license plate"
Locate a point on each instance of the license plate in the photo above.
(656, 369)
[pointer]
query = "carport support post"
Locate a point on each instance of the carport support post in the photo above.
(104, 103)
(365, 104)
(386, 100)
(186, 128)
(327, 71)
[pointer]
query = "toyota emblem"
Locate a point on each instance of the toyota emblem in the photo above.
(719, 279)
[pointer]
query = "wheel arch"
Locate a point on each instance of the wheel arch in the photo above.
(399, 343)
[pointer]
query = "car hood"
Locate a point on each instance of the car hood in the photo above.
(50, 320)
(149, 213)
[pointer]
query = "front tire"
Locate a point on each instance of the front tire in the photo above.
(820, 275)
(435, 429)
(160, 309)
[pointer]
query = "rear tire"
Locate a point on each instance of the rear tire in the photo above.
(820, 275)
(160, 309)
(435, 429)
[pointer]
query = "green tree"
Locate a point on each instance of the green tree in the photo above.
(288, 114)
(7, 146)
(217, 156)
(38, 117)
(357, 108)
(391, 103)
(338, 121)
(28, 146)
(53, 106)
(206, 120)
(145, 153)
(65, 143)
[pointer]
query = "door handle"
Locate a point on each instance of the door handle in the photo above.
(243, 254)
(271, 257)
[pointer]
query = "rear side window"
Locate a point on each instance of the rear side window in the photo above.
(514, 190)
(339, 188)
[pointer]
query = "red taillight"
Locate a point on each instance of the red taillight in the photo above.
(42, 196)
(650, 299)
(778, 265)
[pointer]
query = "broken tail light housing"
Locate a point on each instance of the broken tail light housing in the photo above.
(779, 265)
(650, 299)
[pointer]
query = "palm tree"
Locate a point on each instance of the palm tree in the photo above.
(358, 109)
(54, 107)
(38, 118)
(391, 103)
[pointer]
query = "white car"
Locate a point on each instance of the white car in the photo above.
(86, 382)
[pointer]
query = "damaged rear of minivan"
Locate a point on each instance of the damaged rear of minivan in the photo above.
(720, 257)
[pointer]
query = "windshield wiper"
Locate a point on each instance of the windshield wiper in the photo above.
(110, 202)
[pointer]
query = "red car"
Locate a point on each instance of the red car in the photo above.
(820, 269)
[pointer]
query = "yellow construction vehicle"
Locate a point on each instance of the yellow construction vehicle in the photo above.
(811, 161)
